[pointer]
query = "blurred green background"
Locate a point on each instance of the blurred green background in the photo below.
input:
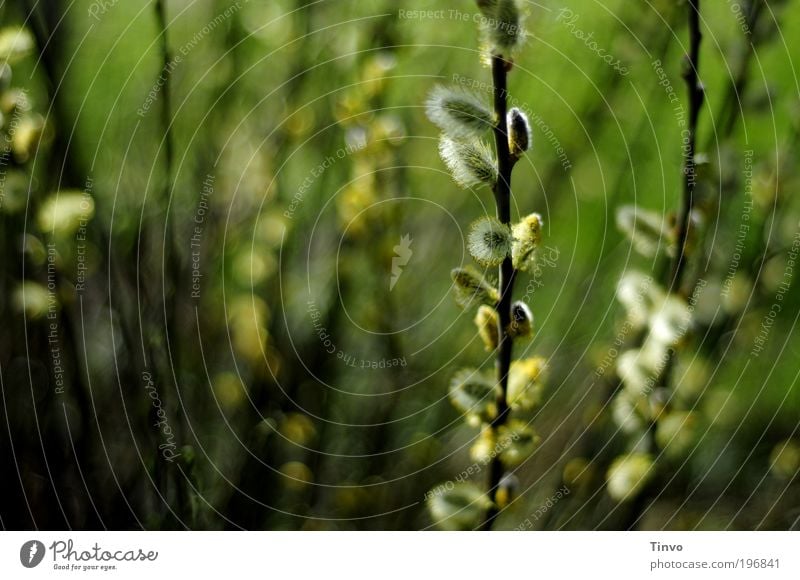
(201, 201)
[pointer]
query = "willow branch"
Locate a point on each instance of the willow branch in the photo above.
(502, 196)
(695, 94)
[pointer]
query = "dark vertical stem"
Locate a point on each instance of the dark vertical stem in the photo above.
(695, 93)
(170, 311)
(166, 122)
(502, 197)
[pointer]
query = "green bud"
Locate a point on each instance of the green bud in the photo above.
(676, 433)
(525, 384)
(527, 236)
(521, 320)
(506, 490)
(471, 287)
(455, 507)
(518, 441)
(34, 299)
(784, 459)
(487, 322)
(485, 447)
(504, 29)
(628, 475)
(639, 368)
(629, 411)
(65, 211)
(475, 394)
(15, 44)
(519, 132)
(671, 320)
(636, 292)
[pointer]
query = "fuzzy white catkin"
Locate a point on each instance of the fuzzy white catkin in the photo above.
(487, 7)
(504, 29)
(458, 113)
(471, 163)
(489, 241)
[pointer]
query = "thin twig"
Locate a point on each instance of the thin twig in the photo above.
(170, 312)
(696, 94)
(502, 196)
